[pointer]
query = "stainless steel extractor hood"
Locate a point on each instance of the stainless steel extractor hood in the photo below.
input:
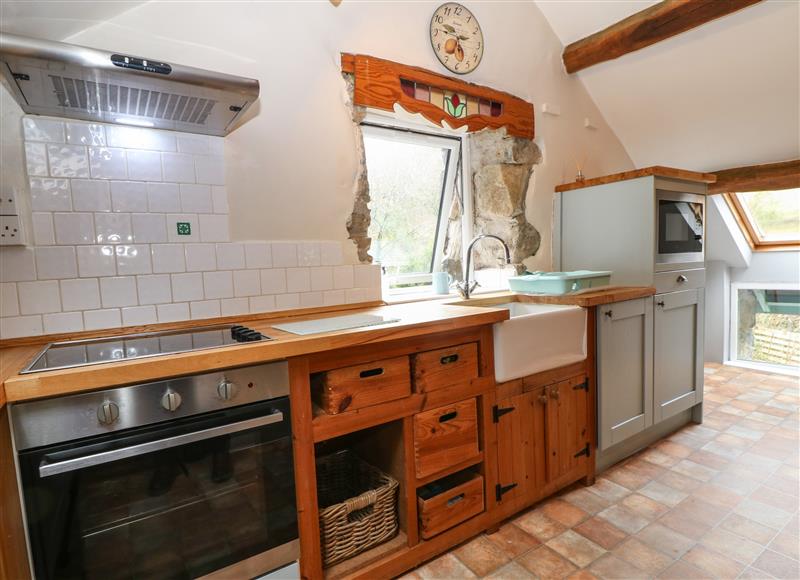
(66, 80)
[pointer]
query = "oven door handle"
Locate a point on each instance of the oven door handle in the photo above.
(47, 469)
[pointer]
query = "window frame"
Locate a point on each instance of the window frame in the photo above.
(750, 230)
(384, 127)
(733, 326)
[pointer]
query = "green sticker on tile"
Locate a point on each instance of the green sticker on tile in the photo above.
(184, 228)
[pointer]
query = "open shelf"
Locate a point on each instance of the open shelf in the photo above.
(357, 562)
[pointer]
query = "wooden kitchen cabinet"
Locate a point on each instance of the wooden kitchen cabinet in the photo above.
(678, 352)
(624, 369)
(543, 440)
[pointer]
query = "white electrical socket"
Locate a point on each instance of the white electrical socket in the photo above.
(8, 203)
(11, 231)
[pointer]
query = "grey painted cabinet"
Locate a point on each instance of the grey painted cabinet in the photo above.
(624, 369)
(678, 357)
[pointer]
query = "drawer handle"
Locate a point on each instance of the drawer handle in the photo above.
(371, 373)
(454, 500)
(609, 313)
(681, 279)
(660, 303)
(448, 416)
(451, 358)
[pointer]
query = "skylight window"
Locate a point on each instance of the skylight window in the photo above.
(769, 219)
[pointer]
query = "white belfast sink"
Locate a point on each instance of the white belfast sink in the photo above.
(536, 338)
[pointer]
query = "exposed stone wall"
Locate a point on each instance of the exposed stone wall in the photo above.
(501, 167)
(359, 220)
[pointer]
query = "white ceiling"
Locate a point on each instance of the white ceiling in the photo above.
(722, 95)
(54, 20)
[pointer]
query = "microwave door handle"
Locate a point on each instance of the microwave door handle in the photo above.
(47, 469)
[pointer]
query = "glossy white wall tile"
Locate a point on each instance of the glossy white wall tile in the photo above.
(130, 227)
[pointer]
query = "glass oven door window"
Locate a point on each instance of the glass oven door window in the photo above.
(176, 513)
(680, 227)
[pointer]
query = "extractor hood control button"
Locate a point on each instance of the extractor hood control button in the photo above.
(171, 401)
(108, 413)
(227, 390)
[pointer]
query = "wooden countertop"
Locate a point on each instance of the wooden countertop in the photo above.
(657, 170)
(585, 298)
(415, 319)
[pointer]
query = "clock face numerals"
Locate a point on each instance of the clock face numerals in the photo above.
(456, 38)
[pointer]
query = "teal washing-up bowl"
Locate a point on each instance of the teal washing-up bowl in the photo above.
(559, 282)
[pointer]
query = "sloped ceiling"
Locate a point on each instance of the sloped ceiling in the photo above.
(57, 20)
(722, 95)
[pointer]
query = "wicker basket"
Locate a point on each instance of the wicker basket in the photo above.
(358, 506)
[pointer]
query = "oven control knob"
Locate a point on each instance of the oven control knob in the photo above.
(171, 401)
(108, 413)
(227, 390)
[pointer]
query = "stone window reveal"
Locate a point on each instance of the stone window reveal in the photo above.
(500, 131)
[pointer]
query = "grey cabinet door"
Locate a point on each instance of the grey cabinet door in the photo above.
(678, 355)
(624, 369)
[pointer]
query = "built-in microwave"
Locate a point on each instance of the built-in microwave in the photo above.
(680, 230)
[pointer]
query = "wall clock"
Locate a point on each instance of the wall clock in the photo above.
(456, 38)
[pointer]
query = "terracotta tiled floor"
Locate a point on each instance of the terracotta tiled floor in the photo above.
(717, 500)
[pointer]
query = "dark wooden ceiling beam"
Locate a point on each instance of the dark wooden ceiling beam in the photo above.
(651, 25)
(783, 175)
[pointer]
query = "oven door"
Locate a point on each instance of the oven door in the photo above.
(681, 227)
(181, 499)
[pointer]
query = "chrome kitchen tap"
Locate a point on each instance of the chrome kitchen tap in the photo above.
(465, 288)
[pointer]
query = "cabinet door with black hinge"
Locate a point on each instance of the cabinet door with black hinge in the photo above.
(521, 453)
(567, 426)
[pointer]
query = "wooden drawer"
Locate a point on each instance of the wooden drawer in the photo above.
(680, 280)
(445, 436)
(362, 385)
(448, 502)
(441, 368)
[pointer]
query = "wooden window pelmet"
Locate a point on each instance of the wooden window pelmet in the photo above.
(382, 83)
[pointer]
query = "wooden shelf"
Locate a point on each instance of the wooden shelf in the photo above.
(342, 569)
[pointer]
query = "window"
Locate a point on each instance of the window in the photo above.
(412, 180)
(766, 324)
(769, 219)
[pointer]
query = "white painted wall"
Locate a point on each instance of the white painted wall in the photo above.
(290, 168)
(721, 95)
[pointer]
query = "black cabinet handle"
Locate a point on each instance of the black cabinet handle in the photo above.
(609, 313)
(454, 500)
(451, 358)
(660, 303)
(448, 416)
(371, 373)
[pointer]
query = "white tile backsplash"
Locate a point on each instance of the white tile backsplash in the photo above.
(56, 262)
(155, 289)
(90, 195)
(39, 297)
(68, 161)
(50, 194)
(43, 232)
(144, 166)
(86, 134)
(118, 291)
(113, 228)
(178, 167)
(9, 306)
(96, 261)
(128, 196)
(163, 197)
(74, 228)
(107, 163)
(36, 158)
(80, 294)
(133, 259)
(39, 129)
(107, 202)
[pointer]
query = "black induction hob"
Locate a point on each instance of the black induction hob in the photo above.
(76, 353)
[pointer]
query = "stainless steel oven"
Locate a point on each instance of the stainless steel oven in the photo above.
(180, 478)
(680, 230)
